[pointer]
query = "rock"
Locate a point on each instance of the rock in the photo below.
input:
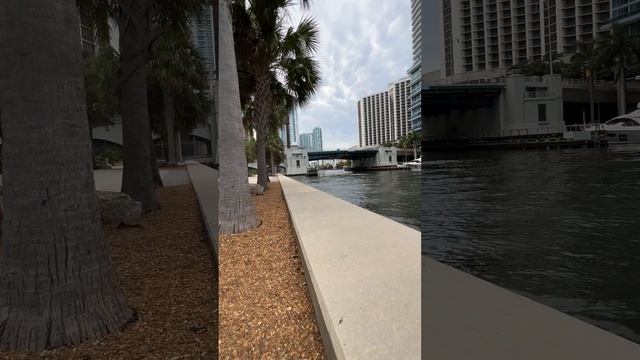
(102, 163)
(116, 207)
(256, 189)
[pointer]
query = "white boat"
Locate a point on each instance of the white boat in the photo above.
(623, 129)
(415, 164)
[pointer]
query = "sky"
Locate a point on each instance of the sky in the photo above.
(364, 45)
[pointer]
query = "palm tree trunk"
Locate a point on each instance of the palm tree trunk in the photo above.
(169, 124)
(286, 127)
(236, 208)
(263, 109)
(57, 286)
(137, 177)
(591, 102)
(622, 87)
(178, 137)
(273, 163)
(157, 179)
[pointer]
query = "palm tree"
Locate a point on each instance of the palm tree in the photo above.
(617, 50)
(236, 209)
(57, 287)
(139, 23)
(414, 138)
(100, 74)
(282, 57)
(587, 62)
(178, 71)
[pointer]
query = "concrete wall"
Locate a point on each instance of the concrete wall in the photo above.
(512, 112)
(205, 184)
(521, 106)
(387, 156)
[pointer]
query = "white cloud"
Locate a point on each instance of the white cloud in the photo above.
(364, 45)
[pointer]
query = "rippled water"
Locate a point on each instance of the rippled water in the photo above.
(561, 227)
(394, 194)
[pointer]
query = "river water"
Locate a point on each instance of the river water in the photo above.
(561, 227)
(394, 194)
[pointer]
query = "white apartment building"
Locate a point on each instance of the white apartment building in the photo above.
(484, 38)
(385, 116)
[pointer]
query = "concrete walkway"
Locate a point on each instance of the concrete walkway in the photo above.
(364, 275)
(465, 317)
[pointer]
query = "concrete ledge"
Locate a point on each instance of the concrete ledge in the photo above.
(205, 184)
(465, 317)
(363, 272)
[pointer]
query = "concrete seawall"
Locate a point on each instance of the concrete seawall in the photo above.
(465, 317)
(363, 272)
(205, 184)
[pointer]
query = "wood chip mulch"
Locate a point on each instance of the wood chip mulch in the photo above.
(265, 309)
(166, 272)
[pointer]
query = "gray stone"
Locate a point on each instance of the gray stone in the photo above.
(116, 207)
(256, 189)
(102, 163)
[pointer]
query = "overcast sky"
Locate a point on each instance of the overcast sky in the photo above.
(364, 45)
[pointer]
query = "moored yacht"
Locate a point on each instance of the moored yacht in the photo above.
(623, 129)
(415, 164)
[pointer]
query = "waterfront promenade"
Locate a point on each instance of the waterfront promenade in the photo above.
(360, 266)
(364, 275)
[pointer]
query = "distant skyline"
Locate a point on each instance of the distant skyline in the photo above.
(364, 46)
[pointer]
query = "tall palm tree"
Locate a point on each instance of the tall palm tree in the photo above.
(617, 50)
(414, 139)
(139, 23)
(588, 62)
(236, 209)
(57, 287)
(282, 56)
(178, 71)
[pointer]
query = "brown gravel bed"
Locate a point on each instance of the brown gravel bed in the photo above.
(265, 309)
(167, 274)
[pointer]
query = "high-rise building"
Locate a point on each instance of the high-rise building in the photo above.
(626, 13)
(293, 129)
(385, 116)
(485, 38)
(418, 37)
(87, 35)
(203, 40)
(317, 139)
(306, 141)
(312, 141)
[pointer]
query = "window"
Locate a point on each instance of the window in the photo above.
(297, 163)
(542, 112)
(389, 158)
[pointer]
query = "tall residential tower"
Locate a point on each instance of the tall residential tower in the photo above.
(418, 37)
(484, 38)
(385, 116)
